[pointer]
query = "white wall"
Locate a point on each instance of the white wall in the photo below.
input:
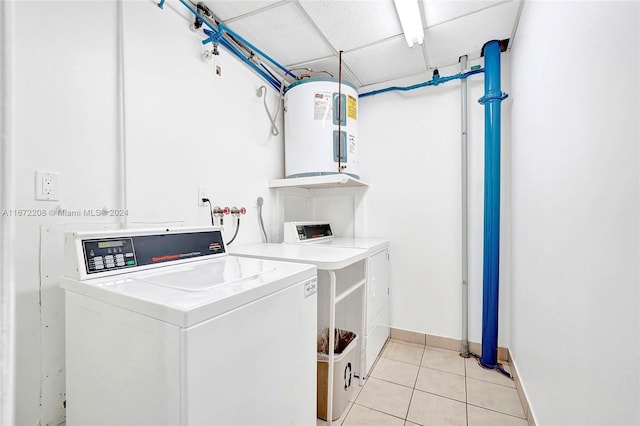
(185, 128)
(410, 156)
(64, 116)
(575, 211)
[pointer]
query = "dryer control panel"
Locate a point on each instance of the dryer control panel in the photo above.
(298, 232)
(109, 253)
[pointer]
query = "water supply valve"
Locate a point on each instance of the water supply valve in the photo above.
(219, 211)
(236, 212)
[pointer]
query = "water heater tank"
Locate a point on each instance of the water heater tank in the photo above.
(312, 145)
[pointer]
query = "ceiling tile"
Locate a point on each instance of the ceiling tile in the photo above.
(445, 43)
(283, 33)
(230, 9)
(325, 66)
(385, 61)
(349, 24)
(439, 11)
(330, 65)
(310, 32)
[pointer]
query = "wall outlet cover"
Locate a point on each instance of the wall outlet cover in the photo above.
(202, 193)
(47, 186)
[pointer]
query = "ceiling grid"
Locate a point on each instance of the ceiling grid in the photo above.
(310, 33)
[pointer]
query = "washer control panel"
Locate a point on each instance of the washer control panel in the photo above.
(109, 254)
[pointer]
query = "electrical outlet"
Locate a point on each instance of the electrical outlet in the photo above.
(47, 186)
(202, 193)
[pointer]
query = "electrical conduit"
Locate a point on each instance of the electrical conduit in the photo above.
(464, 350)
(122, 134)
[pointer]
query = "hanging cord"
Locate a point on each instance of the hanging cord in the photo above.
(262, 92)
(235, 234)
(206, 200)
(260, 222)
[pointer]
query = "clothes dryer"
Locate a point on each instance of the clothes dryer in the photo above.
(320, 234)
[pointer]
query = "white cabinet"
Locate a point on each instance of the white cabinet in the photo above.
(377, 327)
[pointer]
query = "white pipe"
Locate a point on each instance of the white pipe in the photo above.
(122, 135)
(363, 321)
(464, 210)
(7, 281)
(332, 340)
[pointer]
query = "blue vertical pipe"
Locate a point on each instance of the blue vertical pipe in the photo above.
(491, 100)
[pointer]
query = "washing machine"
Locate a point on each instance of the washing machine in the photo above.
(163, 327)
(320, 234)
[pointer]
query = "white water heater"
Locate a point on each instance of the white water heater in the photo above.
(315, 142)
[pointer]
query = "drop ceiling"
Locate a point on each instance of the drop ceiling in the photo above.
(311, 33)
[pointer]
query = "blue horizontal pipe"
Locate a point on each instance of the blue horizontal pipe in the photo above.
(436, 80)
(491, 254)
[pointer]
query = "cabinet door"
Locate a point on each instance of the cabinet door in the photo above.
(378, 291)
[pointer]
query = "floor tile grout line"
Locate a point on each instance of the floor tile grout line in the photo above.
(406, 416)
(441, 396)
(378, 411)
(443, 371)
(466, 394)
(413, 391)
(498, 412)
(393, 383)
(397, 360)
(346, 414)
(493, 383)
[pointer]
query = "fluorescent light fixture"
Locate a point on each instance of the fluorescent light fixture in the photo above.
(409, 14)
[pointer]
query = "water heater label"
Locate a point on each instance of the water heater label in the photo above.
(352, 144)
(352, 107)
(322, 106)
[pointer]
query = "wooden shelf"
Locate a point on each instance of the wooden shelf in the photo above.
(318, 182)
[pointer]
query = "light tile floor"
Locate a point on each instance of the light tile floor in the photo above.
(417, 385)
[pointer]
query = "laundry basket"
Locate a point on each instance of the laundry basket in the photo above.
(343, 375)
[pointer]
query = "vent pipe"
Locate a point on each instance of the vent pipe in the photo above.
(493, 97)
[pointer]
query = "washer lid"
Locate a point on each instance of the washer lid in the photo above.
(203, 277)
(188, 294)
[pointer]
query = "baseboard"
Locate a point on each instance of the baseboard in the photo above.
(521, 393)
(474, 347)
